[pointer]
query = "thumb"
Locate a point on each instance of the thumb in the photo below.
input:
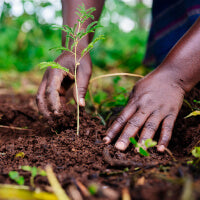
(83, 78)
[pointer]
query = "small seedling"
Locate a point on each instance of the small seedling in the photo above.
(75, 34)
(196, 154)
(16, 177)
(34, 172)
(145, 144)
(93, 189)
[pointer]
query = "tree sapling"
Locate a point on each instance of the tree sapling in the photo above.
(74, 35)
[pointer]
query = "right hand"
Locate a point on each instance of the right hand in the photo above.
(56, 82)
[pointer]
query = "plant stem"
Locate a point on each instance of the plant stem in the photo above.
(75, 78)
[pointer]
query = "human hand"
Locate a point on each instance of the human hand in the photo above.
(56, 82)
(154, 101)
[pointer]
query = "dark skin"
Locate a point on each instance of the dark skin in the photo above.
(154, 101)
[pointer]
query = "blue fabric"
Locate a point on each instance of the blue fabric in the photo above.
(171, 19)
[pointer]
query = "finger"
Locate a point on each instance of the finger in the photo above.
(83, 78)
(40, 98)
(131, 129)
(53, 87)
(119, 123)
(150, 127)
(166, 132)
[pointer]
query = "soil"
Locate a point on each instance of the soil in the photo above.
(85, 159)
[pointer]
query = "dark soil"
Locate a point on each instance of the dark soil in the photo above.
(87, 160)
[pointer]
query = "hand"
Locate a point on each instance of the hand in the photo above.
(154, 101)
(56, 82)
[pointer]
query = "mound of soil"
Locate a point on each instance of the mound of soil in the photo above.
(85, 159)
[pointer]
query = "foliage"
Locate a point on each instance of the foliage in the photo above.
(145, 144)
(16, 177)
(75, 34)
(93, 189)
(34, 172)
(196, 154)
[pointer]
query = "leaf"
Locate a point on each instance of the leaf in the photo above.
(91, 25)
(74, 29)
(143, 152)
(195, 101)
(26, 168)
(194, 113)
(20, 155)
(13, 174)
(150, 143)
(196, 152)
(91, 45)
(133, 141)
(16, 177)
(43, 65)
(34, 171)
(60, 49)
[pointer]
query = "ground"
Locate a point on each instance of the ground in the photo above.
(85, 159)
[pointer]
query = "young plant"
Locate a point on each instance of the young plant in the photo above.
(145, 144)
(34, 172)
(196, 154)
(16, 177)
(75, 34)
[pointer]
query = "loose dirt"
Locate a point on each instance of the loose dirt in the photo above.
(87, 160)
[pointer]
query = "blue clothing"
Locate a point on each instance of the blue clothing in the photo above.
(170, 21)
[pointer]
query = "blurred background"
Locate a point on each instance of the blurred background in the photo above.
(26, 36)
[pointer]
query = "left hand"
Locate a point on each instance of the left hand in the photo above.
(154, 101)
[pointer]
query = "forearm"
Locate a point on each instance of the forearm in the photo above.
(184, 59)
(69, 9)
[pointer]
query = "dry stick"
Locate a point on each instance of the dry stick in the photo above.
(16, 128)
(126, 194)
(124, 163)
(58, 190)
(105, 76)
(82, 188)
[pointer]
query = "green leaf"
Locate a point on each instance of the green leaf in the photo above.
(133, 141)
(150, 143)
(91, 25)
(43, 65)
(59, 49)
(26, 168)
(195, 101)
(20, 180)
(13, 175)
(16, 177)
(143, 152)
(34, 171)
(194, 113)
(91, 45)
(196, 152)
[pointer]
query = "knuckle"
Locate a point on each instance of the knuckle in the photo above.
(48, 91)
(121, 120)
(82, 90)
(134, 122)
(150, 126)
(167, 128)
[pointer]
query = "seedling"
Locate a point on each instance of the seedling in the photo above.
(34, 172)
(145, 144)
(196, 154)
(75, 34)
(16, 177)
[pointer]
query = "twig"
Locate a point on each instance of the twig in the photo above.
(170, 153)
(58, 190)
(82, 188)
(116, 74)
(126, 194)
(16, 128)
(123, 163)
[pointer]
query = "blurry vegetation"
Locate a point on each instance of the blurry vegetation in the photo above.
(26, 34)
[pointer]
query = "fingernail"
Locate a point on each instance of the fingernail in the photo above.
(106, 140)
(82, 102)
(120, 146)
(161, 148)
